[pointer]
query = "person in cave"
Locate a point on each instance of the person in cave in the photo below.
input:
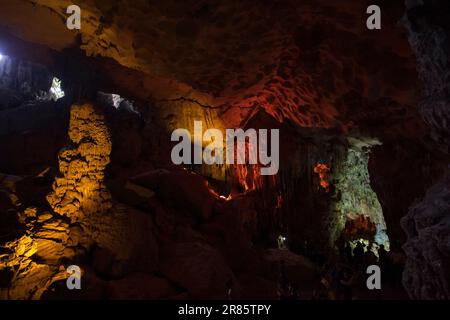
(383, 259)
(386, 266)
(345, 251)
(369, 258)
(358, 254)
(392, 267)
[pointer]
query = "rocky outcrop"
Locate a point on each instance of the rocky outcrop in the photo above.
(427, 224)
(429, 39)
(80, 189)
(193, 196)
(78, 225)
(21, 81)
(416, 167)
(33, 261)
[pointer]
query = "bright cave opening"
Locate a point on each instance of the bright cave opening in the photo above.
(117, 101)
(55, 92)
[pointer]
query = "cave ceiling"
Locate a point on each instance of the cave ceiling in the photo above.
(310, 63)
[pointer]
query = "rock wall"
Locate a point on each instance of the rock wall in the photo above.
(32, 127)
(427, 224)
(21, 80)
(426, 274)
(429, 37)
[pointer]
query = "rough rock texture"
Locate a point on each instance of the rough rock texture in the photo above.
(193, 194)
(354, 194)
(80, 190)
(426, 274)
(427, 224)
(301, 61)
(400, 173)
(429, 38)
(21, 80)
(33, 261)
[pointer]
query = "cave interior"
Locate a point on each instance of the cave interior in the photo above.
(87, 179)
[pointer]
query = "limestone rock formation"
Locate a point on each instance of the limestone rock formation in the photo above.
(427, 223)
(428, 247)
(429, 40)
(80, 190)
(33, 261)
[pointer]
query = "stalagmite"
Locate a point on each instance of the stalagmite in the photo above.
(36, 259)
(80, 189)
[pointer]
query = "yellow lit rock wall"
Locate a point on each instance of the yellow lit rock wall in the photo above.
(80, 190)
(35, 259)
(79, 193)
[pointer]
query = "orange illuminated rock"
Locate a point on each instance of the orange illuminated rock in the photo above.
(359, 227)
(323, 170)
